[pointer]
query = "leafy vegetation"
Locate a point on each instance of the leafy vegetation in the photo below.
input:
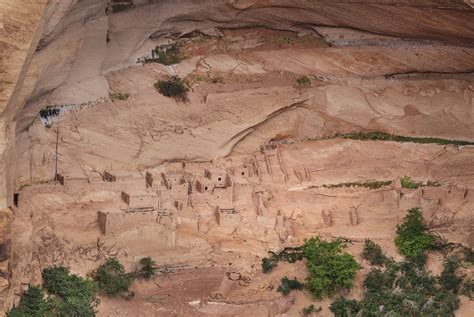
(412, 239)
(289, 255)
(49, 111)
(112, 278)
(368, 184)
(342, 307)
(166, 54)
(70, 295)
(268, 264)
(468, 288)
(448, 279)
(384, 136)
(33, 303)
(66, 294)
(373, 253)
(303, 81)
(405, 289)
(406, 182)
(173, 87)
(306, 311)
(147, 268)
(330, 269)
(118, 96)
(78, 294)
(288, 285)
(119, 7)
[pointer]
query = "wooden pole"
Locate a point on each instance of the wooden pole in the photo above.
(57, 145)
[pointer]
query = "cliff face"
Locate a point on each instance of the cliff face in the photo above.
(389, 65)
(20, 31)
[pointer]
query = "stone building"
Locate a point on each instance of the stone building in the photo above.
(219, 178)
(140, 200)
(227, 217)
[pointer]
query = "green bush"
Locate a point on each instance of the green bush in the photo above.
(412, 239)
(166, 55)
(33, 303)
(304, 81)
(345, 307)
(330, 269)
(288, 285)
(269, 264)
(147, 268)
(112, 278)
(373, 253)
(449, 280)
(406, 182)
(384, 136)
(306, 311)
(289, 254)
(118, 96)
(468, 288)
(69, 295)
(173, 87)
(401, 289)
(77, 294)
(368, 184)
(119, 7)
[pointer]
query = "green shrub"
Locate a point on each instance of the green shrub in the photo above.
(384, 136)
(33, 303)
(449, 280)
(147, 268)
(402, 289)
(304, 81)
(118, 96)
(330, 269)
(288, 285)
(173, 87)
(77, 294)
(119, 7)
(373, 253)
(412, 239)
(166, 55)
(345, 307)
(468, 255)
(468, 288)
(306, 311)
(368, 184)
(406, 182)
(289, 254)
(269, 264)
(69, 295)
(112, 278)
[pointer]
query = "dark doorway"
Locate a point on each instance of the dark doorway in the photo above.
(16, 196)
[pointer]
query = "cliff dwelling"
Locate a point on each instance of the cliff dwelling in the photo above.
(237, 158)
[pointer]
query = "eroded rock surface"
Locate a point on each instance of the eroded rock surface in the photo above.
(402, 67)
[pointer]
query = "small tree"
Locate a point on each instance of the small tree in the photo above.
(173, 87)
(373, 253)
(345, 307)
(112, 278)
(406, 182)
(77, 294)
(330, 269)
(303, 81)
(288, 285)
(269, 264)
(147, 268)
(412, 239)
(449, 280)
(33, 303)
